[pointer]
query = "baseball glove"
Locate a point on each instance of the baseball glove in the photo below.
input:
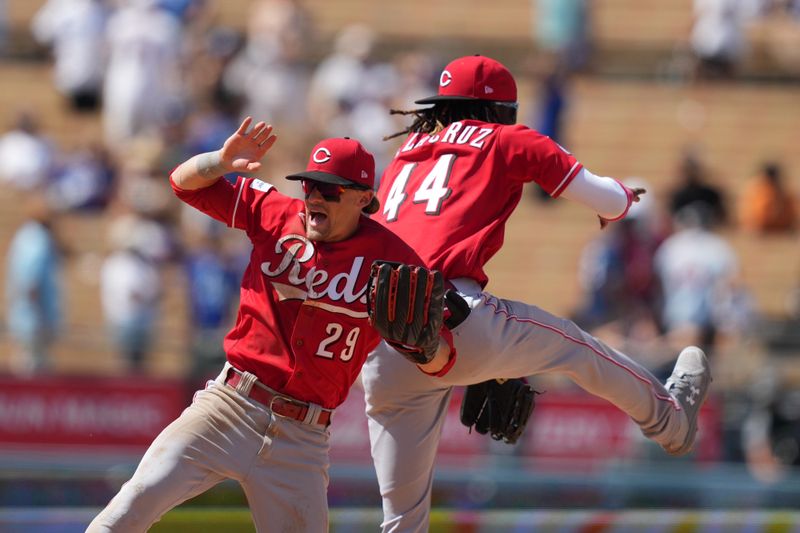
(500, 408)
(406, 307)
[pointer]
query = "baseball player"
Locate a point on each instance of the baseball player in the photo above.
(448, 192)
(300, 338)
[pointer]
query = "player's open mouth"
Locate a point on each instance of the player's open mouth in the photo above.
(316, 218)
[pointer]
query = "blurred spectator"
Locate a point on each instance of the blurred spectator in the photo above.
(692, 187)
(698, 270)
(418, 72)
(369, 121)
(184, 10)
(771, 431)
(199, 42)
(76, 31)
(210, 53)
(269, 74)
(84, 180)
(718, 36)
(130, 290)
(766, 205)
(785, 427)
(617, 274)
(208, 127)
(143, 80)
(350, 91)
(553, 100)
(338, 81)
(171, 148)
(213, 277)
(562, 30)
(142, 193)
(33, 288)
(781, 34)
(26, 157)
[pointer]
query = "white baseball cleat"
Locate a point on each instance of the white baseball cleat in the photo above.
(689, 384)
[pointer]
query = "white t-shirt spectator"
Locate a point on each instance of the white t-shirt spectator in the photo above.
(25, 159)
(696, 268)
(718, 30)
(76, 31)
(144, 71)
(130, 289)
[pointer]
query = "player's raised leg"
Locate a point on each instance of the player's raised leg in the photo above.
(522, 340)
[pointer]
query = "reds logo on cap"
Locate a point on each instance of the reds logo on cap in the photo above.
(475, 78)
(339, 160)
(445, 79)
(321, 155)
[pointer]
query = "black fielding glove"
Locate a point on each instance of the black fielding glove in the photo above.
(406, 307)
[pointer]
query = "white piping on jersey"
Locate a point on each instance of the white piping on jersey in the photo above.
(290, 292)
(564, 181)
(236, 205)
(337, 309)
(569, 337)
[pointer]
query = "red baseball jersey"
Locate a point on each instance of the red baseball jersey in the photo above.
(450, 194)
(302, 325)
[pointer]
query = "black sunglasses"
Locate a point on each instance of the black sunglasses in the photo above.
(331, 192)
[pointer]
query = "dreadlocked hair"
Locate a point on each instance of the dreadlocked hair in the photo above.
(435, 119)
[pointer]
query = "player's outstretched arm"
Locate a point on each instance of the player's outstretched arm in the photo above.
(242, 152)
(609, 198)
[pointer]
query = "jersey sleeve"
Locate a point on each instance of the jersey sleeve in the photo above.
(531, 156)
(236, 205)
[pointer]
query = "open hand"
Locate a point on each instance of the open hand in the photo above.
(243, 151)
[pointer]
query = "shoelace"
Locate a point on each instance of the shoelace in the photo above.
(682, 386)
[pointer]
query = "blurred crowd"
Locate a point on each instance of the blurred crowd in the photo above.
(166, 82)
(666, 272)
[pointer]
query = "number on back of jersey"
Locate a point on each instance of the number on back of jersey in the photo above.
(397, 194)
(432, 191)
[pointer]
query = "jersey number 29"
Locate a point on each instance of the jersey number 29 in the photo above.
(334, 332)
(432, 191)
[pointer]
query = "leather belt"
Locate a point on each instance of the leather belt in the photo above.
(279, 404)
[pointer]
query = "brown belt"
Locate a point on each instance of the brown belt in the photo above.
(279, 404)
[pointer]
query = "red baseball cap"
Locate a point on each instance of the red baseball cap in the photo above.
(342, 161)
(475, 78)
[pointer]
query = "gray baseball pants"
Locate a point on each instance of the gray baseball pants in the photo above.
(500, 339)
(281, 464)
